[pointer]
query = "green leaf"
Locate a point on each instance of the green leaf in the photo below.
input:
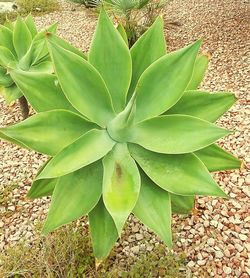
(11, 140)
(121, 184)
(176, 134)
(182, 174)
(75, 195)
(21, 38)
(111, 57)
(163, 83)
(43, 67)
(120, 127)
(6, 39)
(89, 148)
(31, 25)
(39, 50)
(6, 56)
(199, 71)
(103, 231)
(182, 204)
(49, 132)
(147, 49)
(153, 208)
(82, 85)
(203, 105)
(11, 93)
(31, 55)
(5, 79)
(216, 159)
(42, 91)
(42, 188)
(122, 32)
(64, 44)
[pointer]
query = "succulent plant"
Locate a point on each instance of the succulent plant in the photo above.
(21, 47)
(127, 136)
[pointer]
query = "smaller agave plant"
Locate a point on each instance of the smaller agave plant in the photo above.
(132, 135)
(21, 47)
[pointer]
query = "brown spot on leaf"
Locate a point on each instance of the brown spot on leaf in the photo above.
(118, 171)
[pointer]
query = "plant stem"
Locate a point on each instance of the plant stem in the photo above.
(24, 107)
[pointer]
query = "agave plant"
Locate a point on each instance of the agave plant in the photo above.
(21, 47)
(130, 139)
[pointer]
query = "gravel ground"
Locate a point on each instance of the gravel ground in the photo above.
(216, 236)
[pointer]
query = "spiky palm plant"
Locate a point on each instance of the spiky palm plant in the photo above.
(135, 15)
(21, 47)
(133, 138)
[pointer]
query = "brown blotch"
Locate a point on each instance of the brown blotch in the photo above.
(118, 171)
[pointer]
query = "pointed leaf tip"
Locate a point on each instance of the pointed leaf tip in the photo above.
(116, 74)
(165, 81)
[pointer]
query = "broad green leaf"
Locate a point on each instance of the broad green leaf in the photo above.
(216, 159)
(203, 105)
(82, 85)
(28, 59)
(64, 44)
(39, 50)
(153, 208)
(5, 79)
(49, 132)
(75, 195)
(42, 91)
(163, 83)
(42, 188)
(110, 55)
(6, 56)
(122, 32)
(103, 231)
(148, 48)
(6, 39)
(21, 38)
(176, 134)
(199, 71)
(89, 148)
(31, 25)
(11, 140)
(121, 184)
(10, 93)
(182, 204)
(182, 174)
(43, 67)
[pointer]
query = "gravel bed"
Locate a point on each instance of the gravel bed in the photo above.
(216, 236)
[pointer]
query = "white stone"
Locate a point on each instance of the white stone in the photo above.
(239, 247)
(135, 249)
(242, 237)
(247, 270)
(201, 262)
(227, 270)
(211, 241)
(138, 236)
(6, 7)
